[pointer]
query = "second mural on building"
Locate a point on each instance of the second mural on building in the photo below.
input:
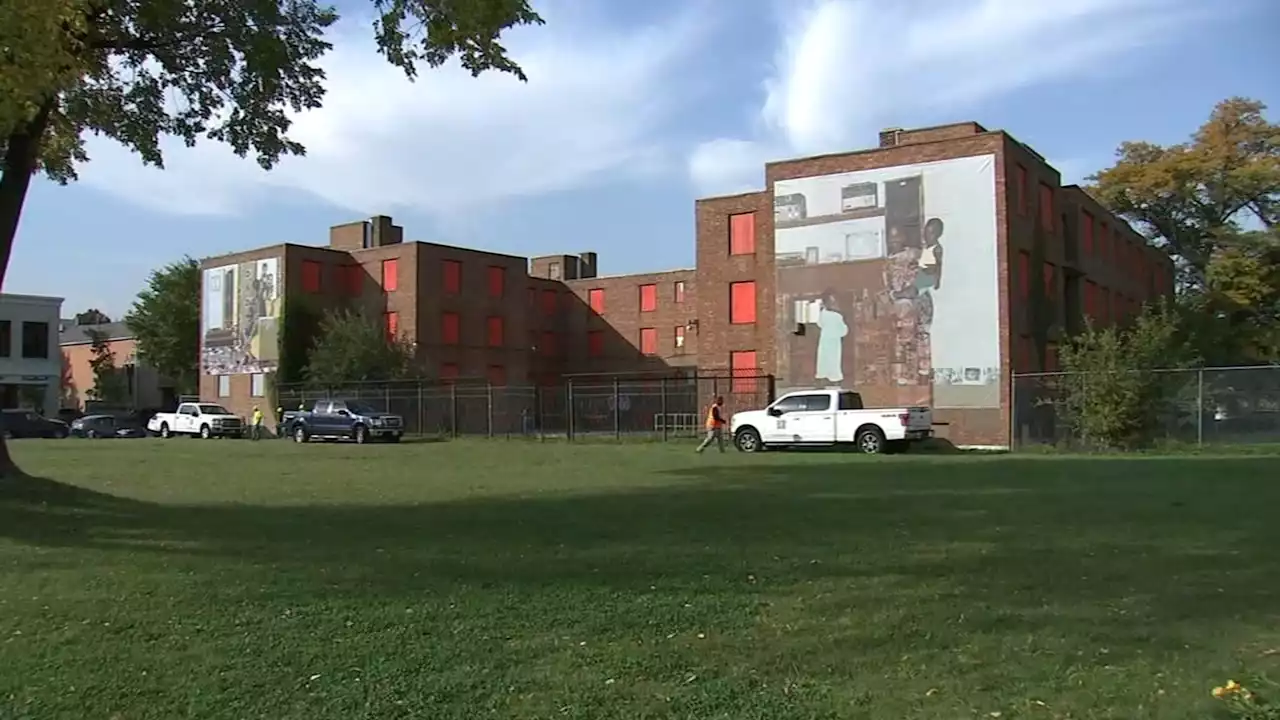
(887, 280)
(240, 330)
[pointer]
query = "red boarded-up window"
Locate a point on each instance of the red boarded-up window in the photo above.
(1024, 275)
(678, 336)
(310, 276)
(449, 371)
(548, 344)
(548, 302)
(390, 275)
(1046, 207)
(1086, 232)
(1091, 300)
(742, 302)
(497, 375)
(450, 328)
(1048, 281)
(1020, 188)
(595, 343)
(595, 298)
(649, 341)
(495, 329)
(452, 279)
(1103, 303)
(742, 234)
(648, 298)
(392, 324)
(743, 369)
(497, 280)
(1102, 241)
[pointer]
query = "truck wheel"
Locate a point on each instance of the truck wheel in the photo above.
(748, 440)
(205, 432)
(870, 441)
(361, 434)
(300, 434)
(165, 432)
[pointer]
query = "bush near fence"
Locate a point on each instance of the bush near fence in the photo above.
(581, 407)
(1201, 406)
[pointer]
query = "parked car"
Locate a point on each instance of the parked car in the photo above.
(829, 417)
(105, 426)
(30, 424)
(344, 420)
(205, 420)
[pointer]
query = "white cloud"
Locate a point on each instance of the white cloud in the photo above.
(846, 68)
(593, 105)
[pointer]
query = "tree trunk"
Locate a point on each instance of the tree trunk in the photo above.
(22, 150)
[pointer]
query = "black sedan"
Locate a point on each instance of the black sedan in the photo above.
(28, 424)
(104, 426)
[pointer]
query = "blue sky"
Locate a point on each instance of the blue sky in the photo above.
(633, 110)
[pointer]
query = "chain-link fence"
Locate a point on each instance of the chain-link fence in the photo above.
(1201, 406)
(587, 406)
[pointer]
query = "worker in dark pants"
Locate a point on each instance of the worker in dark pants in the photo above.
(715, 425)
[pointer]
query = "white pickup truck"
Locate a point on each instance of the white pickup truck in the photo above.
(206, 420)
(829, 417)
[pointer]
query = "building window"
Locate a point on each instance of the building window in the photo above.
(353, 280)
(595, 343)
(1086, 232)
(391, 321)
(742, 234)
(1024, 275)
(1103, 241)
(497, 280)
(495, 331)
(553, 271)
(450, 328)
(648, 298)
(449, 371)
(390, 275)
(548, 346)
(679, 292)
(35, 340)
(1046, 207)
(6, 338)
(744, 369)
(679, 338)
(548, 302)
(452, 280)
(742, 302)
(648, 341)
(310, 276)
(257, 385)
(1049, 287)
(224, 386)
(595, 298)
(1020, 188)
(497, 375)
(1103, 304)
(1091, 300)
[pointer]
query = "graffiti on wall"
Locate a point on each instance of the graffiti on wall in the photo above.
(240, 318)
(887, 280)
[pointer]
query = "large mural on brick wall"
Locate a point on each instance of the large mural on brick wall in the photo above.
(887, 281)
(240, 317)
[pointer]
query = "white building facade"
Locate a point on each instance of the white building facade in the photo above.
(30, 359)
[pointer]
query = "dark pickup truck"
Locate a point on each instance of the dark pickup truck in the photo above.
(343, 420)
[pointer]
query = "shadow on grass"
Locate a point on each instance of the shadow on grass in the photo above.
(1096, 542)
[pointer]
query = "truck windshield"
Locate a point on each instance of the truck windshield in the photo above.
(213, 410)
(361, 408)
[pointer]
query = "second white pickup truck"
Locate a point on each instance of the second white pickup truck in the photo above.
(829, 417)
(207, 420)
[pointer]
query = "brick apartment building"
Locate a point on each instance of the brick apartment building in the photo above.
(923, 271)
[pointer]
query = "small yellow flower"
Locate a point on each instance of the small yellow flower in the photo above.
(1232, 686)
(1219, 692)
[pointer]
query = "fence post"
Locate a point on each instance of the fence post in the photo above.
(421, 415)
(662, 408)
(568, 410)
(453, 409)
(1200, 406)
(1013, 411)
(537, 412)
(489, 409)
(617, 411)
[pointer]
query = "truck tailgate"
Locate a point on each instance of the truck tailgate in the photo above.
(919, 418)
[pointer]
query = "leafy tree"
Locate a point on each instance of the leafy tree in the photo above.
(353, 346)
(165, 320)
(109, 384)
(226, 70)
(1112, 396)
(92, 316)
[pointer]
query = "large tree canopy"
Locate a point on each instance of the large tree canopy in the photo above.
(1213, 203)
(165, 321)
(226, 70)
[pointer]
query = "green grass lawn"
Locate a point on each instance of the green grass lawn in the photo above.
(499, 579)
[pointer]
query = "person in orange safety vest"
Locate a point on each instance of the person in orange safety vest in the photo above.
(715, 425)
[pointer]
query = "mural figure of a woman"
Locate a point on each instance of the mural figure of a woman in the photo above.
(832, 330)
